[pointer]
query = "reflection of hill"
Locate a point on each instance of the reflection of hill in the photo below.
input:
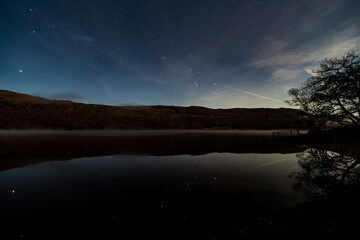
(25, 111)
(17, 151)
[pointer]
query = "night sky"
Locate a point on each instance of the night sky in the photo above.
(218, 54)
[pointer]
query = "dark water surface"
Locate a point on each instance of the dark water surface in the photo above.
(173, 185)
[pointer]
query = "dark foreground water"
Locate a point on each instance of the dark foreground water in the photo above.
(133, 185)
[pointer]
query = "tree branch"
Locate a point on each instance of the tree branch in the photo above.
(354, 118)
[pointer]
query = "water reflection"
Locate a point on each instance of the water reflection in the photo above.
(184, 186)
(174, 186)
(22, 149)
(332, 183)
(326, 172)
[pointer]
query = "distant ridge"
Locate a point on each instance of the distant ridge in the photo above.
(22, 111)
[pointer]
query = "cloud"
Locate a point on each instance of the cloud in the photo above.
(330, 46)
(107, 88)
(128, 104)
(277, 45)
(284, 74)
(310, 71)
(70, 96)
(287, 87)
(84, 38)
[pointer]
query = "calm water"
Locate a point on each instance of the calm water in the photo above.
(174, 185)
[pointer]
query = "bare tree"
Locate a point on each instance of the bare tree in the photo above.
(333, 93)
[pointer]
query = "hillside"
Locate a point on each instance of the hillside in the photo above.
(21, 111)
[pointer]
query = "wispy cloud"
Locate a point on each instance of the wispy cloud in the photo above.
(284, 74)
(313, 51)
(127, 104)
(310, 71)
(107, 88)
(84, 38)
(71, 96)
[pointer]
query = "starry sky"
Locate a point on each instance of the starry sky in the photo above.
(215, 53)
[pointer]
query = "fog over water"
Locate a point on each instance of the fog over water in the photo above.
(128, 132)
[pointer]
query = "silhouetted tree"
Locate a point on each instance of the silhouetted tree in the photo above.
(333, 93)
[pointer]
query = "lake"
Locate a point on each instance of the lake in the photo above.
(137, 184)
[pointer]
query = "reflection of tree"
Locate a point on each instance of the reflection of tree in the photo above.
(325, 172)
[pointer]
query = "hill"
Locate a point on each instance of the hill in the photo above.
(22, 111)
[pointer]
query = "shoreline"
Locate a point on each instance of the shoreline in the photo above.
(344, 141)
(136, 132)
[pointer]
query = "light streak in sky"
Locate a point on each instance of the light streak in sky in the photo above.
(254, 94)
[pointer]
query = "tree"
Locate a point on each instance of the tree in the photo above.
(333, 93)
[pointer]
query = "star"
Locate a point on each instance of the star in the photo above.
(20, 71)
